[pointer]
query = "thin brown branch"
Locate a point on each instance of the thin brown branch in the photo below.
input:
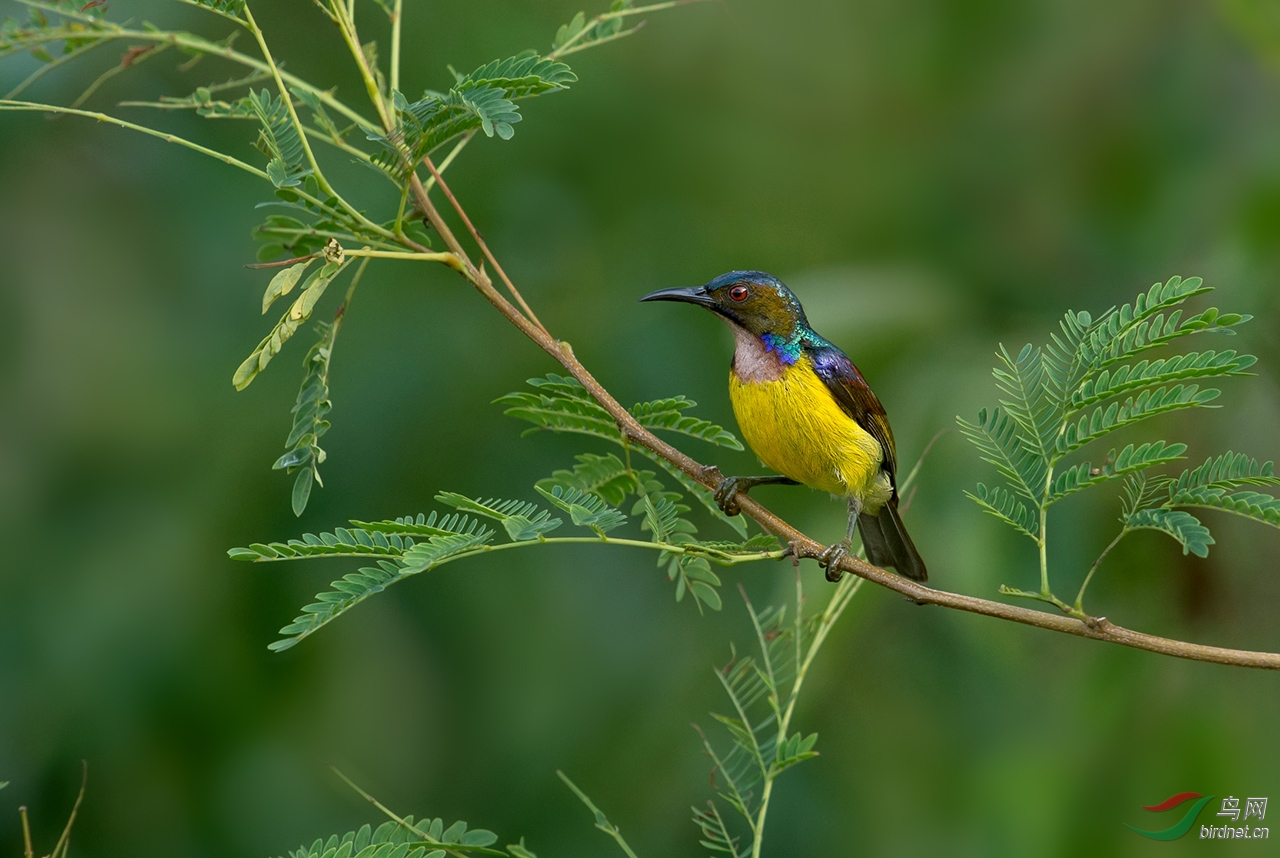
(1094, 628)
(484, 248)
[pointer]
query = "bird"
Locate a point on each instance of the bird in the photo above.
(807, 413)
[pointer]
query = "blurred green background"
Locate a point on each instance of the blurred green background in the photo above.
(932, 178)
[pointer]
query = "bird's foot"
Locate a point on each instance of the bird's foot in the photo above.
(727, 495)
(830, 559)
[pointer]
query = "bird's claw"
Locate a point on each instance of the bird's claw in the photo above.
(830, 559)
(727, 496)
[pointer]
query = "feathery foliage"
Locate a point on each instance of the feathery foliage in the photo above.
(405, 837)
(1087, 383)
(668, 414)
(315, 231)
(428, 838)
(309, 419)
(560, 404)
(291, 115)
(409, 545)
(279, 140)
(763, 690)
(483, 100)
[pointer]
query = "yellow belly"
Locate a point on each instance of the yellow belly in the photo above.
(798, 429)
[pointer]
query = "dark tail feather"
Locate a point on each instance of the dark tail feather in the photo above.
(888, 543)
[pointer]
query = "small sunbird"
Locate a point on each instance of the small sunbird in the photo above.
(808, 413)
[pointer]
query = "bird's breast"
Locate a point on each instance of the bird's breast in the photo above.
(796, 427)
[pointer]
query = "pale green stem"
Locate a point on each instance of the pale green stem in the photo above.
(53, 64)
(346, 25)
(102, 117)
(567, 47)
(404, 201)
(313, 133)
(1044, 554)
(602, 821)
(218, 12)
(1079, 606)
(287, 98)
(386, 810)
(719, 558)
(447, 258)
(115, 70)
(845, 591)
(194, 43)
(396, 16)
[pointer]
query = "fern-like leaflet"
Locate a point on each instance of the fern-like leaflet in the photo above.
(279, 140)
(405, 838)
(483, 100)
(409, 545)
(763, 690)
(560, 404)
(1087, 383)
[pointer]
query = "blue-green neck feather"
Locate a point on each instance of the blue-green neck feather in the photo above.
(789, 349)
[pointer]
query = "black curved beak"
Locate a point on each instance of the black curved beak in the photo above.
(688, 294)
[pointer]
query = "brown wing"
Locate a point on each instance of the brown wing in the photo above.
(857, 400)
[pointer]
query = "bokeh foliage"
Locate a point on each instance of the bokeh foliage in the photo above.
(930, 178)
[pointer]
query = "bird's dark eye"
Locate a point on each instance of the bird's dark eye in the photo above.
(738, 293)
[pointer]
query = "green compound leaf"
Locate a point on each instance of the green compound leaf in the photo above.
(1260, 507)
(606, 476)
(310, 421)
(561, 404)
(585, 510)
(522, 520)
(432, 524)
(1129, 460)
(699, 492)
(279, 140)
(1228, 470)
(668, 414)
(995, 434)
(284, 281)
(352, 589)
(1001, 503)
(1182, 526)
(1148, 374)
(524, 75)
(482, 100)
(1105, 420)
(289, 323)
(406, 839)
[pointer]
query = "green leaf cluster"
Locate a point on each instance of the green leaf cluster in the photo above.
(291, 115)
(406, 546)
(403, 838)
(763, 690)
(579, 34)
(560, 404)
(310, 418)
(1090, 381)
(297, 314)
(483, 100)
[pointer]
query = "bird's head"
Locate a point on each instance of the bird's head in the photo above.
(752, 300)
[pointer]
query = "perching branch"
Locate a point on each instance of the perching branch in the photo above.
(1095, 628)
(580, 34)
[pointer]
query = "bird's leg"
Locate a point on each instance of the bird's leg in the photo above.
(731, 487)
(830, 559)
